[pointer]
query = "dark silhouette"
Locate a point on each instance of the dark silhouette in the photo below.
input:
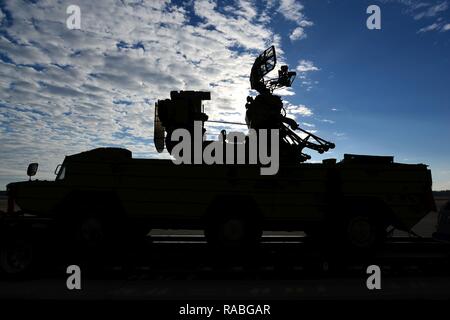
(103, 198)
(265, 111)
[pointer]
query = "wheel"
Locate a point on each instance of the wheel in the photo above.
(233, 232)
(92, 232)
(82, 238)
(357, 233)
(361, 232)
(364, 232)
(16, 256)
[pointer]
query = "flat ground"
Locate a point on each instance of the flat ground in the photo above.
(184, 271)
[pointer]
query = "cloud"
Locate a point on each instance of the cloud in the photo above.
(420, 10)
(309, 125)
(64, 91)
(431, 11)
(297, 111)
(247, 9)
(2, 16)
(306, 66)
(285, 91)
(297, 33)
(340, 135)
(292, 10)
(436, 26)
(428, 28)
(327, 121)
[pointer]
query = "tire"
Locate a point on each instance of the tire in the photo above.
(84, 237)
(90, 219)
(363, 232)
(100, 239)
(17, 256)
(357, 233)
(92, 233)
(233, 232)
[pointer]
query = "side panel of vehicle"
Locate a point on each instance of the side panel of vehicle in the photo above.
(163, 190)
(405, 189)
(38, 197)
(159, 190)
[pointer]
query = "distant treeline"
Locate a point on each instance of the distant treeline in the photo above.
(443, 193)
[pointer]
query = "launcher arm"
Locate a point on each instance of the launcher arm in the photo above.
(318, 144)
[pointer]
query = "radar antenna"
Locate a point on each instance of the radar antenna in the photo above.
(265, 63)
(266, 110)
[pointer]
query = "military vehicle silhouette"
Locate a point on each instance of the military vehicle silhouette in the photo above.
(105, 195)
(265, 111)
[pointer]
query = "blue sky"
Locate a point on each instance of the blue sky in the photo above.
(370, 91)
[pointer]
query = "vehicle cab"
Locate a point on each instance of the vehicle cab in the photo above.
(443, 224)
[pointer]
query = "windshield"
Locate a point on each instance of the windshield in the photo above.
(61, 173)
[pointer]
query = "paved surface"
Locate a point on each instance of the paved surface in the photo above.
(183, 269)
(167, 269)
(139, 289)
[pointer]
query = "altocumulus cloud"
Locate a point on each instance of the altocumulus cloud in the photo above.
(434, 10)
(64, 91)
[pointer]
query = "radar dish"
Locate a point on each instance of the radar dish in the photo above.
(263, 64)
(158, 133)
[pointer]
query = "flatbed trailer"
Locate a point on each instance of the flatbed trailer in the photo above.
(190, 253)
